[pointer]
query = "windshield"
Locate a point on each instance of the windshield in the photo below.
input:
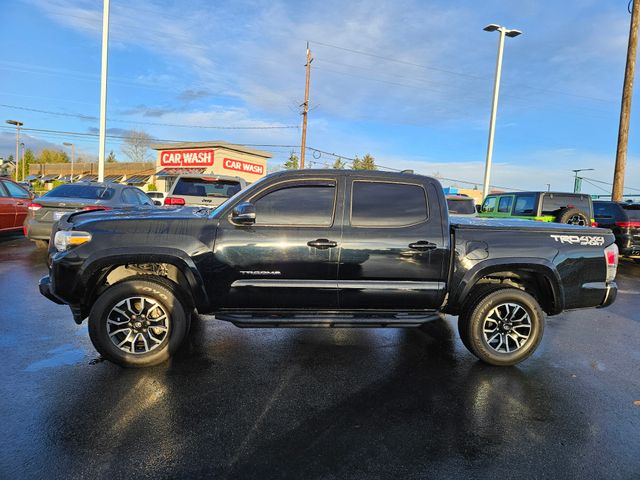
(464, 206)
(206, 187)
(90, 192)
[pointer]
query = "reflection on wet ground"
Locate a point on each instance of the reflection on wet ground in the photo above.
(315, 403)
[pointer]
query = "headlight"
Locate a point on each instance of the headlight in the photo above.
(69, 238)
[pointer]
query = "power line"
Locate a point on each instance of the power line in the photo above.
(90, 117)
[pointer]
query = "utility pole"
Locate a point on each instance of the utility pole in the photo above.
(22, 145)
(103, 89)
(17, 158)
(625, 109)
(73, 154)
(504, 32)
(305, 108)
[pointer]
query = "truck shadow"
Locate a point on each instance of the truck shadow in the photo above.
(308, 403)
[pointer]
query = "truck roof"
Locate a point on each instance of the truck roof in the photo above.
(309, 172)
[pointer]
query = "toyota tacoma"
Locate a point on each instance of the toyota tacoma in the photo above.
(323, 248)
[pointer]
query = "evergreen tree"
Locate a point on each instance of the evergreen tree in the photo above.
(338, 164)
(111, 158)
(292, 163)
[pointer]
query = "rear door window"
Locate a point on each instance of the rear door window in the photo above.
(382, 204)
(15, 191)
(206, 187)
(504, 206)
(525, 206)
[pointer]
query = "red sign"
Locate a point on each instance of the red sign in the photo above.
(186, 158)
(242, 166)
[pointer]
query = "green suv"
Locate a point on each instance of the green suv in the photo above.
(571, 208)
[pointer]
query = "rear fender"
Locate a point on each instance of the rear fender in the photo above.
(535, 265)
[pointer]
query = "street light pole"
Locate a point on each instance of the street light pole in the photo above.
(73, 154)
(103, 89)
(22, 145)
(18, 125)
(577, 181)
(504, 32)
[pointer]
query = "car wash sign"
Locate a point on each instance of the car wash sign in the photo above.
(243, 166)
(186, 158)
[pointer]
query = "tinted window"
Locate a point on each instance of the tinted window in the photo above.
(462, 206)
(505, 204)
(143, 198)
(16, 191)
(387, 204)
(129, 196)
(489, 204)
(525, 205)
(605, 211)
(552, 203)
(92, 192)
(301, 204)
(206, 187)
(633, 211)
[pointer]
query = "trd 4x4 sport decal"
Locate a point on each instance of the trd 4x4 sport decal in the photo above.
(579, 239)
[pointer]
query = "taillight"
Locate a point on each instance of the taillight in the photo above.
(628, 224)
(611, 256)
(174, 201)
(34, 206)
(24, 230)
(94, 207)
(594, 223)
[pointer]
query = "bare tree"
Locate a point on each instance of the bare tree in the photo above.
(136, 146)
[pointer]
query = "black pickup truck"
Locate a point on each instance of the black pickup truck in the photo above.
(324, 248)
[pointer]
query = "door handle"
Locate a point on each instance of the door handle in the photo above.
(423, 245)
(20, 204)
(322, 243)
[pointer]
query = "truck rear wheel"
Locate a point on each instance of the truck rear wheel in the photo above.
(503, 328)
(138, 322)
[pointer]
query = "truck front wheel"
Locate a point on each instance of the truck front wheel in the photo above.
(138, 322)
(504, 327)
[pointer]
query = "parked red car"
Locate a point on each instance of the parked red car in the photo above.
(13, 205)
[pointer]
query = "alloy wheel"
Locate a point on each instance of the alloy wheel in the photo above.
(507, 328)
(138, 325)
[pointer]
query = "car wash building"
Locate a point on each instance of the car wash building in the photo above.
(214, 158)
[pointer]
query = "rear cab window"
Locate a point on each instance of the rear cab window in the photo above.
(206, 187)
(387, 204)
(633, 211)
(463, 206)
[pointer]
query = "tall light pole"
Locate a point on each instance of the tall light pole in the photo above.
(577, 181)
(22, 146)
(504, 32)
(73, 154)
(18, 125)
(103, 89)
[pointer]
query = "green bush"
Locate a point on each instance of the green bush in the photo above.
(57, 183)
(152, 187)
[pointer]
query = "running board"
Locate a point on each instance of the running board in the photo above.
(328, 319)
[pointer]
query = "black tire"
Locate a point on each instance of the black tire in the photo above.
(42, 244)
(573, 216)
(475, 296)
(471, 327)
(154, 289)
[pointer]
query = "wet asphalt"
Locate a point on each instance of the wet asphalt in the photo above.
(315, 403)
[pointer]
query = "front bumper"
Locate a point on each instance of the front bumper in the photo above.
(45, 289)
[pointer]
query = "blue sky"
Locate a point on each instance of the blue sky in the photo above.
(408, 81)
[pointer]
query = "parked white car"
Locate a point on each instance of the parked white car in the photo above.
(203, 190)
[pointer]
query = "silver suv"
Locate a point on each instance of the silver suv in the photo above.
(204, 190)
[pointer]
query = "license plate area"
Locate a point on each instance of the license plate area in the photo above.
(58, 215)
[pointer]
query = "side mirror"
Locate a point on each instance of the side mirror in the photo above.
(244, 214)
(157, 202)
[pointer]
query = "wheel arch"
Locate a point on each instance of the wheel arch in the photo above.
(537, 276)
(185, 274)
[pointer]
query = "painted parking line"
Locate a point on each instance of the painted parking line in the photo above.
(628, 292)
